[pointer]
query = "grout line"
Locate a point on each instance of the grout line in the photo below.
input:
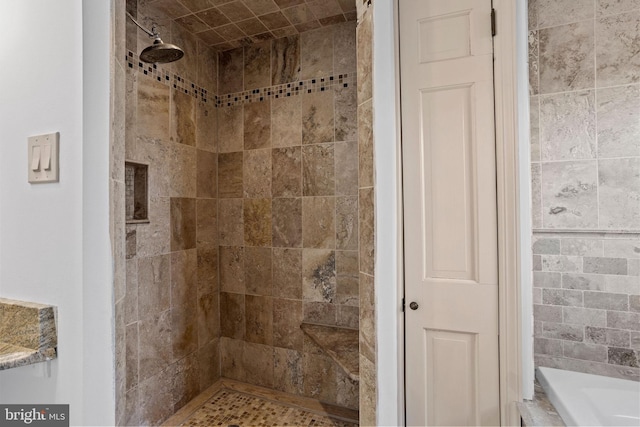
(594, 88)
(568, 23)
(583, 231)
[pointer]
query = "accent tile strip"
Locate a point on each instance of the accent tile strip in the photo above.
(317, 84)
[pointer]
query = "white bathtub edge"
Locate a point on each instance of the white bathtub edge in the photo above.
(551, 392)
(573, 393)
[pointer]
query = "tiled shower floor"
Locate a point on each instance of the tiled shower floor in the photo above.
(237, 404)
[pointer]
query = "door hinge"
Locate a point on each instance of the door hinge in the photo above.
(403, 304)
(493, 22)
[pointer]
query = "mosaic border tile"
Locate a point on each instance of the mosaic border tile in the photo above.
(317, 84)
(167, 78)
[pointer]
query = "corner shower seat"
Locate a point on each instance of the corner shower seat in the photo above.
(341, 344)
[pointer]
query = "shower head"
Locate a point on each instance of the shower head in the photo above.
(160, 52)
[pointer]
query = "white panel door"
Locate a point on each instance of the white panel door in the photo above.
(451, 254)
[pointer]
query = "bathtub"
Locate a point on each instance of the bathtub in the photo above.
(591, 400)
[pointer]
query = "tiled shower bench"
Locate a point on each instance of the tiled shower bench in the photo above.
(341, 344)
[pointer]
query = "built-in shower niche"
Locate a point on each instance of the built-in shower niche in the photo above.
(136, 193)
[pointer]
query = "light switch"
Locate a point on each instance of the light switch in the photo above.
(35, 159)
(46, 157)
(43, 158)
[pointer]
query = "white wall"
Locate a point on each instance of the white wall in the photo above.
(524, 168)
(41, 226)
(97, 278)
(390, 363)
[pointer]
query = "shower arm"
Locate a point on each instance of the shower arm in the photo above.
(153, 33)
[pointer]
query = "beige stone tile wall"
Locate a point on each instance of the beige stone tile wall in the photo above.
(117, 229)
(585, 151)
(366, 202)
(168, 331)
(288, 210)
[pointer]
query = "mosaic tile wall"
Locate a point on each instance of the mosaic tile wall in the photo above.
(585, 140)
(288, 209)
(170, 308)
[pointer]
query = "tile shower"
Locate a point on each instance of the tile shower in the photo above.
(171, 298)
(260, 215)
(288, 209)
(585, 140)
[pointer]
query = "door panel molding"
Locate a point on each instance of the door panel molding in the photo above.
(443, 347)
(449, 223)
(450, 47)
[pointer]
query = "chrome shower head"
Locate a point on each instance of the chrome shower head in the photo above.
(161, 53)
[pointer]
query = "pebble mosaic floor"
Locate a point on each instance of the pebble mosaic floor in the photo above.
(231, 408)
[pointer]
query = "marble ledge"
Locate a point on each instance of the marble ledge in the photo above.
(539, 411)
(341, 344)
(27, 333)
